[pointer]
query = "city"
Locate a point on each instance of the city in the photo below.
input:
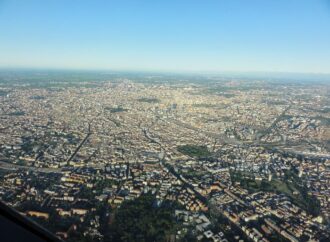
(143, 157)
(165, 121)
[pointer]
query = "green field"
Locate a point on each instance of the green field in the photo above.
(116, 110)
(17, 113)
(142, 220)
(149, 100)
(194, 150)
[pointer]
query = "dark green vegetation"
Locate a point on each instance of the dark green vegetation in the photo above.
(193, 174)
(290, 186)
(21, 163)
(227, 95)
(116, 110)
(275, 102)
(37, 97)
(17, 113)
(194, 150)
(149, 100)
(141, 220)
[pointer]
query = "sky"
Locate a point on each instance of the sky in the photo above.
(169, 35)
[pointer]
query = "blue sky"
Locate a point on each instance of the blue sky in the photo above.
(174, 35)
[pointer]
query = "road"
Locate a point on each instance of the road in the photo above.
(78, 147)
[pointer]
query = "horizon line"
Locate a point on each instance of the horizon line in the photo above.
(163, 71)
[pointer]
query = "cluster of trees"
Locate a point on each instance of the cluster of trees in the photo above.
(302, 198)
(194, 150)
(149, 100)
(310, 202)
(37, 97)
(141, 220)
(17, 113)
(116, 110)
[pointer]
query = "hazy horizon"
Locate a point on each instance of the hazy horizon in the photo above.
(151, 71)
